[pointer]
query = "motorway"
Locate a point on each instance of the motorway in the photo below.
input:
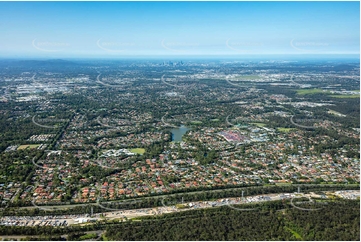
(66, 220)
(159, 196)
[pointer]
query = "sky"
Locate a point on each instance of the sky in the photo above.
(121, 29)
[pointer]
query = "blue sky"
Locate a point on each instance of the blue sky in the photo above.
(117, 29)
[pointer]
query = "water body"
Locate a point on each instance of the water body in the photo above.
(177, 133)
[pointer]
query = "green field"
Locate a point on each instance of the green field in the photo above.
(309, 91)
(181, 206)
(346, 96)
(259, 124)
(23, 147)
(286, 130)
(335, 113)
(283, 184)
(196, 122)
(139, 151)
(215, 120)
(317, 90)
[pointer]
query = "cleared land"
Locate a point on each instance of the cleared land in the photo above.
(317, 90)
(286, 130)
(140, 151)
(310, 91)
(283, 184)
(196, 122)
(346, 96)
(23, 147)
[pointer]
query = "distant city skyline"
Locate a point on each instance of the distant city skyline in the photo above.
(126, 29)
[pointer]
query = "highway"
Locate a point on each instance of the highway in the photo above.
(65, 220)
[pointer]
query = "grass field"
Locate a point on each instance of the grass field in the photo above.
(196, 122)
(286, 130)
(181, 206)
(309, 91)
(317, 90)
(139, 151)
(215, 120)
(346, 96)
(259, 124)
(336, 113)
(284, 184)
(23, 147)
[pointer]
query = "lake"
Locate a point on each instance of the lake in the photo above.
(177, 133)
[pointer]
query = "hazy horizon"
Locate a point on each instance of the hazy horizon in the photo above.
(132, 29)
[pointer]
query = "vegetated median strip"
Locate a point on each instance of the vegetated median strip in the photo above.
(297, 235)
(167, 124)
(41, 125)
(234, 84)
(299, 125)
(105, 84)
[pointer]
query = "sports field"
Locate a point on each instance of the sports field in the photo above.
(286, 130)
(23, 147)
(139, 151)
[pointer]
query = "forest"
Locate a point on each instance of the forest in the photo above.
(274, 221)
(336, 221)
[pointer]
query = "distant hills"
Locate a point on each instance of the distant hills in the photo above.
(43, 65)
